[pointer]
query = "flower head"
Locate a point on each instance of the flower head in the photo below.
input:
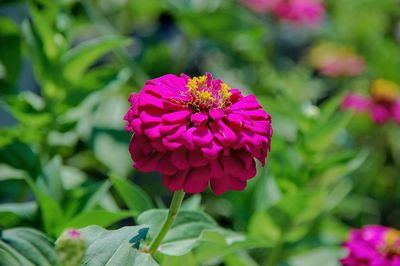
(373, 245)
(297, 12)
(383, 104)
(336, 60)
(197, 131)
(300, 12)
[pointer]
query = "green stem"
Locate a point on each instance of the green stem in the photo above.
(173, 211)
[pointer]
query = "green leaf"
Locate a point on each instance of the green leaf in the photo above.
(95, 217)
(77, 60)
(52, 215)
(328, 256)
(185, 233)
(110, 148)
(12, 214)
(185, 260)
(322, 136)
(290, 218)
(219, 243)
(21, 156)
(134, 197)
(10, 53)
(50, 179)
(112, 247)
(28, 247)
(192, 203)
(97, 196)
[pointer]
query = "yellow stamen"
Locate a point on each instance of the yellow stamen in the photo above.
(384, 90)
(225, 94)
(392, 242)
(204, 97)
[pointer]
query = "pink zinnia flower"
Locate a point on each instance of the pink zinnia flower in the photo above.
(373, 245)
(383, 104)
(300, 12)
(335, 60)
(197, 131)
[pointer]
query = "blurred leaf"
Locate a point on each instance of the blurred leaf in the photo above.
(111, 148)
(113, 247)
(96, 196)
(12, 214)
(217, 244)
(192, 203)
(323, 135)
(21, 156)
(27, 247)
(185, 260)
(10, 53)
(50, 210)
(134, 197)
(94, 217)
(77, 60)
(266, 192)
(8, 172)
(317, 257)
(50, 179)
(290, 218)
(239, 259)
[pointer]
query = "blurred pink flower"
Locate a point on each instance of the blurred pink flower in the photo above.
(336, 60)
(300, 12)
(197, 131)
(383, 104)
(373, 245)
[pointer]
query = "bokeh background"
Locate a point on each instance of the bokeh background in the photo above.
(68, 67)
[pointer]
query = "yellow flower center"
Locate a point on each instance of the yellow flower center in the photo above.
(392, 242)
(384, 91)
(204, 96)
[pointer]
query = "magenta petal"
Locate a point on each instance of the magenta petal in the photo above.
(224, 134)
(176, 181)
(219, 186)
(148, 164)
(216, 114)
(187, 139)
(217, 168)
(137, 126)
(171, 145)
(211, 152)
(152, 131)
(199, 119)
(197, 180)
(177, 134)
(179, 159)
(176, 116)
(151, 116)
(168, 129)
(196, 158)
(202, 136)
(165, 166)
(247, 102)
